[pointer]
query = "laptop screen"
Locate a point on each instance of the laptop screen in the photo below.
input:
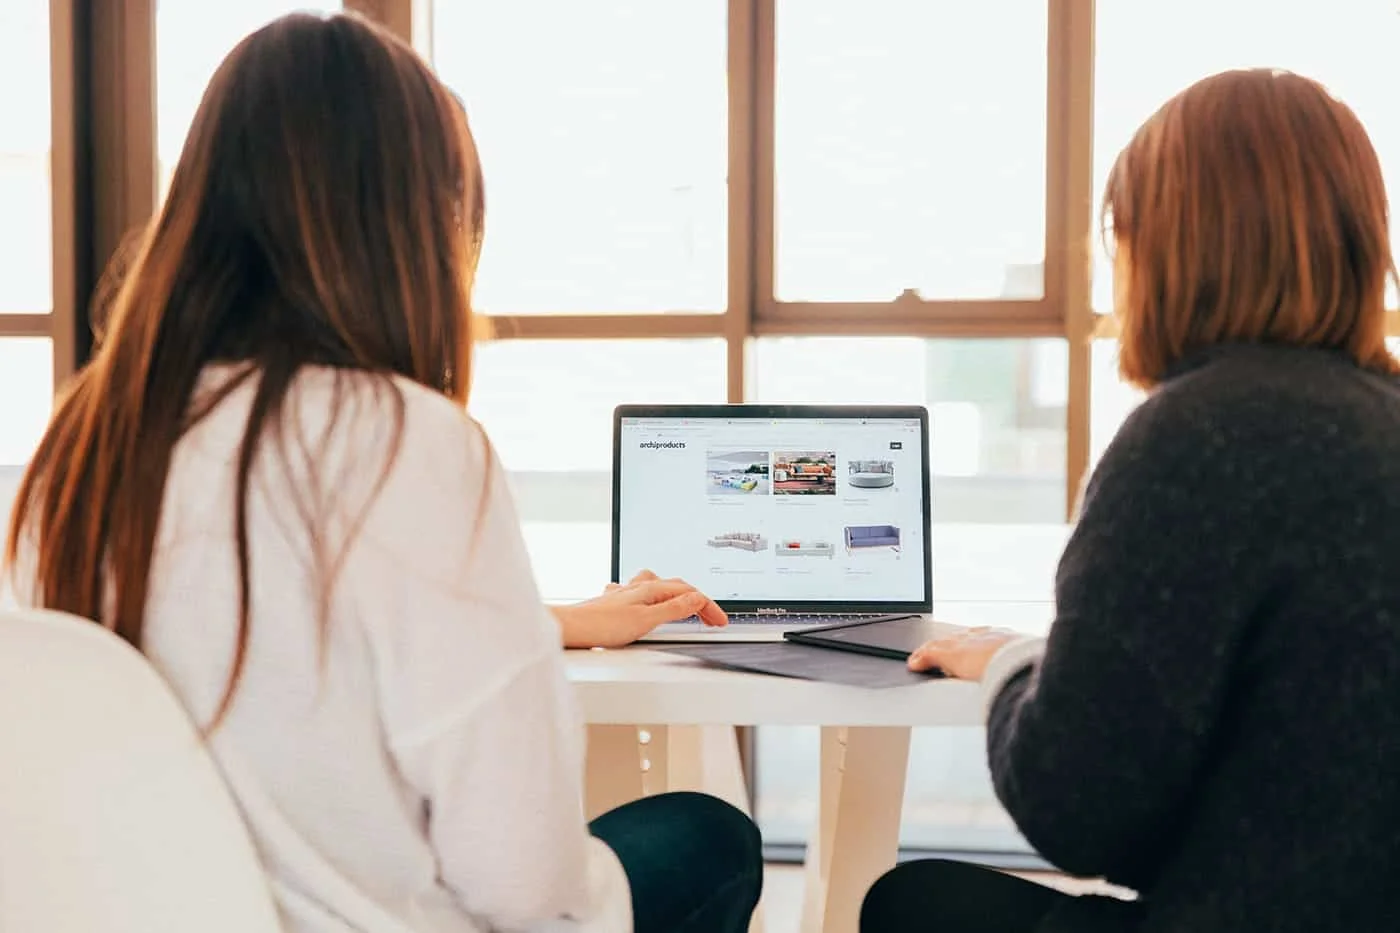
(776, 510)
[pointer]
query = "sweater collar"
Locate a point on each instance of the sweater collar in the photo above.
(1203, 356)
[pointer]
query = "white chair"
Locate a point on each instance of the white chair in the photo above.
(113, 818)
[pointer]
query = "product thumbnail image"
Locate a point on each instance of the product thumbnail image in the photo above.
(871, 474)
(737, 472)
(804, 473)
(869, 538)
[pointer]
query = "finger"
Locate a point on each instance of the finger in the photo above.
(929, 656)
(612, 587)
(643, 577)
(674, 609)
(923, 660)
(711, 614)
(658, 591)
(653, 578)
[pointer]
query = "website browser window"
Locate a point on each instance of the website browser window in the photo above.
(788, 510)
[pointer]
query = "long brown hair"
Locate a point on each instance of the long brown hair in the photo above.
(1252, 208)
(326, 210)
(104, 293)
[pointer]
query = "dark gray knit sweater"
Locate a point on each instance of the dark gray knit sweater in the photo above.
(1216, 720)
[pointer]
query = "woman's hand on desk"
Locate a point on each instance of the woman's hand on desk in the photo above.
(964, 655)
(627, 611)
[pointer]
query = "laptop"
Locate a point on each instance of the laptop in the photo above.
(791, 517)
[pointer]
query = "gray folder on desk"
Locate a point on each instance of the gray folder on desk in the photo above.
(805, 662)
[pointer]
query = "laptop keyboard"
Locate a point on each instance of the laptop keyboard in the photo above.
(822, 618)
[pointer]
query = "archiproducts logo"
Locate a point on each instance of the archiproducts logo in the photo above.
(662, 445)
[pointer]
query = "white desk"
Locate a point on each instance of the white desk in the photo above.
(636, 685)
(663, 722)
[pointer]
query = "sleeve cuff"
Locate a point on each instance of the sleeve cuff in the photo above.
(1011, 659)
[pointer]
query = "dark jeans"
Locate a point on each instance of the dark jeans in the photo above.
(954, 897)
(695, 864)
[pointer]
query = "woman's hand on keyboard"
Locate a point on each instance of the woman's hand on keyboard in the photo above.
(627, 611)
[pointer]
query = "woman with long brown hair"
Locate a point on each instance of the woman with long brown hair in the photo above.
(266, 481)
(1213, 719)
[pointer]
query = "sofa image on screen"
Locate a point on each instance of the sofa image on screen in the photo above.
(741, 540)
(865, 537)
(790, 547)
(735, 481)
(871, 474)
(804, 473)
(737, 472)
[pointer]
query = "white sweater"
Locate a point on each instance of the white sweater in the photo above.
(421, 768)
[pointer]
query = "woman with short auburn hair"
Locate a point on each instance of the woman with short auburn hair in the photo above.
(1249, 209)
(265, 480)
(1214, 719)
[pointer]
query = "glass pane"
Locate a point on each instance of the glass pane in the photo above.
(997, 409)
(910, 149)
(26, 385)
(547, 406)
(1350, 47)
(26, 234)
(192, 38)
(604, 141)
(1111, 399)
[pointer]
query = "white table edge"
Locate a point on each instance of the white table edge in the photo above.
(636, 685)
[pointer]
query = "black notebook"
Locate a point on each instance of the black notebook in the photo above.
(804, 662)
(890, 638)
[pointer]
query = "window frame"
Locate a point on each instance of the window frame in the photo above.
(753, 310)
(105, 164)
(104, 183)
(104, 171)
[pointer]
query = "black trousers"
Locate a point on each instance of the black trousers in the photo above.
(694, 863)
(955, 897)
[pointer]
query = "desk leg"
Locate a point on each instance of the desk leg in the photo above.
(700, 758)
(856, 840)
(613, 775)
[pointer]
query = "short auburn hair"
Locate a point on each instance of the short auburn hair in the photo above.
(1252, 209)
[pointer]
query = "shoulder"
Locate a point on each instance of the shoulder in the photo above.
(395, 463)
(1225, 422)
(1257, 421)
(1244, 380)
(391, 425)
(1264, 394)
(362, 451)
(367, 401)
(1223, 395)
(407, 489)
(1187, 425)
